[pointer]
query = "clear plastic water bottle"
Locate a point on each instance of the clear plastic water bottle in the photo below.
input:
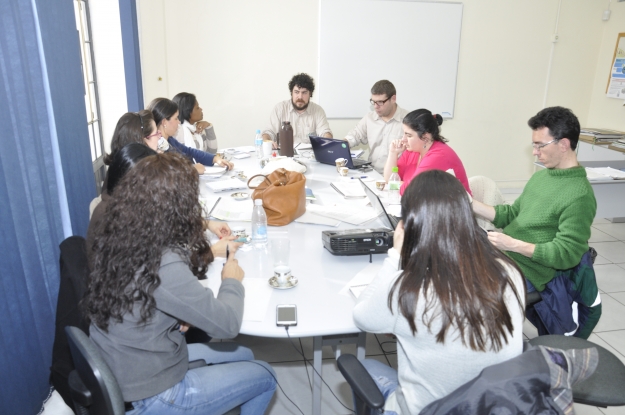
(259, 224)
(394, 183)
(258, 143)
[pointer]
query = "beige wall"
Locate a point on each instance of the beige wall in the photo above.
(237, 57)
(607, 112)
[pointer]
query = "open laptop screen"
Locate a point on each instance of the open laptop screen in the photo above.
(388, 221)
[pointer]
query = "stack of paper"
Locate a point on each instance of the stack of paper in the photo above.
(351, 189)
(231, 183)
(600, 135)
(604, 173)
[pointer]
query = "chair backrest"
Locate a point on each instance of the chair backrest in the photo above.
(106, 396)
(74, 272)
(485, 190)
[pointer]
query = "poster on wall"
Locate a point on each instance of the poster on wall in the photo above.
(616, 82)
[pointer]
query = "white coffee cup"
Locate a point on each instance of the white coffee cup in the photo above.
(282, 274)
(267, 148)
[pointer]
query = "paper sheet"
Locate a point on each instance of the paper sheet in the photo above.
(233, 210)
(257, 293)
(361, 280)
(314, 219)
(350, 214)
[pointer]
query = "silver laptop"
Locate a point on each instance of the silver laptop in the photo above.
(389, 221)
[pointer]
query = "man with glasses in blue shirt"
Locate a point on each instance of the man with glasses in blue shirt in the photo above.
(381, 126)
(547, 228)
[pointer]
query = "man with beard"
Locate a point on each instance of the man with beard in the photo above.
(381, 126)
(305, 117)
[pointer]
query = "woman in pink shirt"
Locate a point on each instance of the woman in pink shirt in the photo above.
(422, 148)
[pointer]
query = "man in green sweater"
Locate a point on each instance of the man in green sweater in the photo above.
(548, 226)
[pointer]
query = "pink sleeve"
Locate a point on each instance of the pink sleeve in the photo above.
(440, 157)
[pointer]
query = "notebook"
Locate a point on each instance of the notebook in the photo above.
(327, 150)
(389, 221)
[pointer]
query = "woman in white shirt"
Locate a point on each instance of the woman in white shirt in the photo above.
(453, 300)
(193, 132)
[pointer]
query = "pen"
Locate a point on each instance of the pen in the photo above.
(358, 177)
(227, 254)
(213, 208)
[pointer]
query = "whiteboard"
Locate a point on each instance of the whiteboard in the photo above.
(413, 44)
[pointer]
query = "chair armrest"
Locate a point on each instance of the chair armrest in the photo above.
(79, 392)
(360, 381)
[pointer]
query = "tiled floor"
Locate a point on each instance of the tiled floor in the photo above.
(294, 375)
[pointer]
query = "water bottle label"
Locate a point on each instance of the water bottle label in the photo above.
(261, 231)
(394, 185)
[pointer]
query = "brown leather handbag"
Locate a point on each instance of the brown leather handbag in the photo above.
(284, 196)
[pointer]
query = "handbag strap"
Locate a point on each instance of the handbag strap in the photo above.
(253, 177)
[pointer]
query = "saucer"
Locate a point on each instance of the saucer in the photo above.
(240, 195)
(291, 282)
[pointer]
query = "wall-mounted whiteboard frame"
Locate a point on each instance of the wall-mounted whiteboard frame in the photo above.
(414, 44)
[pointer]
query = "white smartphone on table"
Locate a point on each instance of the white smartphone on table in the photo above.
(286, 315)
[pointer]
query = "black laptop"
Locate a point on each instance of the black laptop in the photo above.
(389, 221)
(327, 150)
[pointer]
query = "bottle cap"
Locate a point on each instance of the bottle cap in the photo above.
(257, 131)
(258, 202)
(395, 169)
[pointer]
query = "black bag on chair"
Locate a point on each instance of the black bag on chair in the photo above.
(74, 273)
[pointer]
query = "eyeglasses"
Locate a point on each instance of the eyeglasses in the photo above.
(154, 135)
(540, 146)
(378, 103)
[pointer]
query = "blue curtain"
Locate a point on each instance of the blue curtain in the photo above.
(132, 55)
(46, 183)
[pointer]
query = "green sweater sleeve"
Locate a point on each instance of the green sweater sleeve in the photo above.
(504, 214)
(571, 239)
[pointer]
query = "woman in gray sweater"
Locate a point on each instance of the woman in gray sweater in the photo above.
(144, 288)
(454, 301)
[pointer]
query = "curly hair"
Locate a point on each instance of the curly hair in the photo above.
(155, 207)
(132, 127)
(448, 258)
(560, 121)
(423, 121)
(302, 80)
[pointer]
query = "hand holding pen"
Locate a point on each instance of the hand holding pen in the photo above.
(231, 268)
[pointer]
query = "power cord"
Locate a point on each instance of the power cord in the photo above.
(318, 374)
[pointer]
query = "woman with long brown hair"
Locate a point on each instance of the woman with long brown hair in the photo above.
(148, 255)
(454, 301)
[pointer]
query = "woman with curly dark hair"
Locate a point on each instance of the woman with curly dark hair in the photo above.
(149, 254)
(454, 301)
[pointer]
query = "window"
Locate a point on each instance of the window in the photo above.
(81, 10)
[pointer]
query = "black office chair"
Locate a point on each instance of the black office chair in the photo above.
(368, 398)
(74, 272)
(93, 386)
(605, 387)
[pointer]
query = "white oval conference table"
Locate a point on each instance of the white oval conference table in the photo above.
(324, 305)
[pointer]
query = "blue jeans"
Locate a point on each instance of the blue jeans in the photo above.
(232, 380)
(384, 376)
